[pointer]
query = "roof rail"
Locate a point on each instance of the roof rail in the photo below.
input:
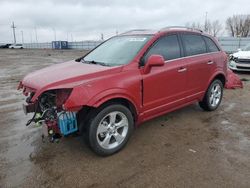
(181, 27)
(133, 30)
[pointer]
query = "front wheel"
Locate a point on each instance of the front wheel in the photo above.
(213, 96)
(109, 129)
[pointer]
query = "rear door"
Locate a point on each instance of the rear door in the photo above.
(198, 64)
(216, 57)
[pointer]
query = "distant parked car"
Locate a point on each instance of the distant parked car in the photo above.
(16, 46)
(240, 61)
(5, 45)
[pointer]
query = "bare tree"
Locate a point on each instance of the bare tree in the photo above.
(212, 28)
(238, 25)
(194, 25)
(208, 26)
(216, 28)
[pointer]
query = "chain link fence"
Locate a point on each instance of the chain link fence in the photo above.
(228, 44)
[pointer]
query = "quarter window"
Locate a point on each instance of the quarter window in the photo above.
(193, 44)
(211, 46)
(167, 46)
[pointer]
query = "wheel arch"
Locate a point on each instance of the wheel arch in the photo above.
(218, 75)
(122, 101)
(221, 77)
(117, 95)
(85, 113)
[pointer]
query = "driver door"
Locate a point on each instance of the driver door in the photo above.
(164, 88)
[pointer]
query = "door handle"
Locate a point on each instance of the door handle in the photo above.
(210, 62)
(182, 69)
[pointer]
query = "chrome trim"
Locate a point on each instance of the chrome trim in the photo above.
(167, 61)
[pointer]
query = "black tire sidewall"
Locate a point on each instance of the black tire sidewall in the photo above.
(211, 108)
(93, 125)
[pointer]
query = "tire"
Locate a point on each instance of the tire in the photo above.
(213, 96)
(109, 129)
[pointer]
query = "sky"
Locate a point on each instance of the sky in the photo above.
(78, 20)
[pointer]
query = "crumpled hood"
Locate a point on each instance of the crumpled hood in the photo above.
(66, 75)
(242, 54)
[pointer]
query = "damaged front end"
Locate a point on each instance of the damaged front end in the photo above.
(49, 112)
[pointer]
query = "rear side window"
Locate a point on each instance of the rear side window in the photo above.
(167, 46)
(211, 46)
(193, 44)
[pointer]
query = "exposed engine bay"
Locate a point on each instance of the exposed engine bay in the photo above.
(49, 113)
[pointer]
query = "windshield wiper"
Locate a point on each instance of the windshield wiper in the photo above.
(94, 62)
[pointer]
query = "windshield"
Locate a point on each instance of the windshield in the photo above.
(247, 48)
(117, 51)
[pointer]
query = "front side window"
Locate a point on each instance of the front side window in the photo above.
(118, 50)
(193, 44)
(167, 46)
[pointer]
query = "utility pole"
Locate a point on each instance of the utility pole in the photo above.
(14, 32)
(206, 24)
(31, 41)
(54, 33)
(22, 36)
(36, 35)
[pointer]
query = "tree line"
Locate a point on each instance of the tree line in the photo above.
(236, 26)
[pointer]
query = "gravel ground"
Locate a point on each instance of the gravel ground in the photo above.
(185, 148)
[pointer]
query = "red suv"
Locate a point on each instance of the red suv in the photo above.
(128, 79)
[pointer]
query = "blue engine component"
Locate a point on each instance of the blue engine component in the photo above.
(67, 123)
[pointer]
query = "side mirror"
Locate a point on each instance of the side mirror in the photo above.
(153, 61)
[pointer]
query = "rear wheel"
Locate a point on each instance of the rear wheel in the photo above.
(213, 96)
(109, 129)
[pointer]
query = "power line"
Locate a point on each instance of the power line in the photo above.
(14, 32)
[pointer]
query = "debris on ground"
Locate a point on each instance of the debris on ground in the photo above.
(191, 150)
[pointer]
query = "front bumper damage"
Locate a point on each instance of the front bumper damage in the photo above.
(49, 113)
